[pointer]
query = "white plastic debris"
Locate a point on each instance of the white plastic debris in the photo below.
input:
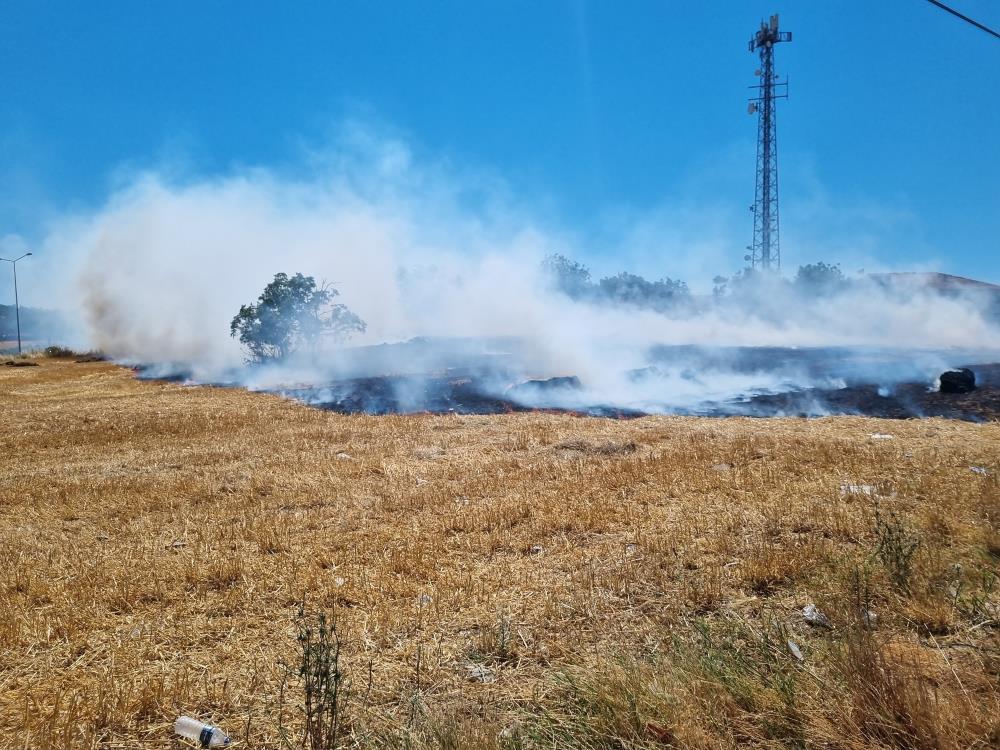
(979, 470)
(814, 617)
(511, 731)
(425, 600)
(722, 467)
(479, 673)
(794, 649)
(868, 618)
(857, 489)
(882, 436)
(343, 456)
(204, 734)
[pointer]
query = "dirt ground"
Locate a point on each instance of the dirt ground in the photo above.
(528, 580)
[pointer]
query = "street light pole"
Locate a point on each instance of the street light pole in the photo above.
(17, 304)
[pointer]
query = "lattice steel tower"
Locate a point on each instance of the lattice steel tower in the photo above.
(765, 252)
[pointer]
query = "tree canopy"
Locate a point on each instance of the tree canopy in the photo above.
(573, 279)
(630, 289)
(568, 276)
(291, 314)
(820, 278)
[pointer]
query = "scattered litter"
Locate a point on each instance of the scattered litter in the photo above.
(722, 467)
(424, 600)
(511, 731)
(177, 544)
(795, 650)
(857, 489)
(479, 673)
(343, 456)
(868, 618)
(631, 549)
(979, 470)
(536, 549)
(338, 581)
(814, 617)
(102, 536)
(461, 500)
(421, 481)
(204, 734)
(882, 436)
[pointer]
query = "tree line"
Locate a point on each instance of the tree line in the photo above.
(294, 313)
(574, 280)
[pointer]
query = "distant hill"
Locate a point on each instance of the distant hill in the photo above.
(37, 325)
(983, 295)
(944, 283)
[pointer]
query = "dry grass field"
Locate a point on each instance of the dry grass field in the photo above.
(521, 581)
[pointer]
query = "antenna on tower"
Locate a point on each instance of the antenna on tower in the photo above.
(765, 252)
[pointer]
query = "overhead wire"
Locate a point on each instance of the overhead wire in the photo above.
(965, 18)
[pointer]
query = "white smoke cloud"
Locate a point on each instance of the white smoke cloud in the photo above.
(421, 250)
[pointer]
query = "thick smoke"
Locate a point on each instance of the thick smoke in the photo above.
(159, 271)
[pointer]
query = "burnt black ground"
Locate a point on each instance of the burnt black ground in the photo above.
(465, 394)
(905, 401)
(488, 377)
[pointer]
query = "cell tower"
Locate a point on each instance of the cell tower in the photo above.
(765, 252)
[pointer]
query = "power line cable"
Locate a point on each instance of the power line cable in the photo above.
(954, 12)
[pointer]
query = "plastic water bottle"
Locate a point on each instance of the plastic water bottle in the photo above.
(204, 734)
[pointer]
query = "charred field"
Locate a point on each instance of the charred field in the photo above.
(521, 580)
(468, 376)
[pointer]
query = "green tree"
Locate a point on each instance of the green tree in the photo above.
(631, 289)
(292, 313)
(567, 276)
(820, 278)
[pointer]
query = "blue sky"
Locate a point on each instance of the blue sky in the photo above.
(592, 113)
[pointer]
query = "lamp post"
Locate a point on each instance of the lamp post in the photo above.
(17, 306)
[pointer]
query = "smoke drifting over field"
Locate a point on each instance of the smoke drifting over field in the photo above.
(416, 252)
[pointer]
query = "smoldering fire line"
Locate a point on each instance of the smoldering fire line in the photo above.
(162, 268)
(493, 377)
